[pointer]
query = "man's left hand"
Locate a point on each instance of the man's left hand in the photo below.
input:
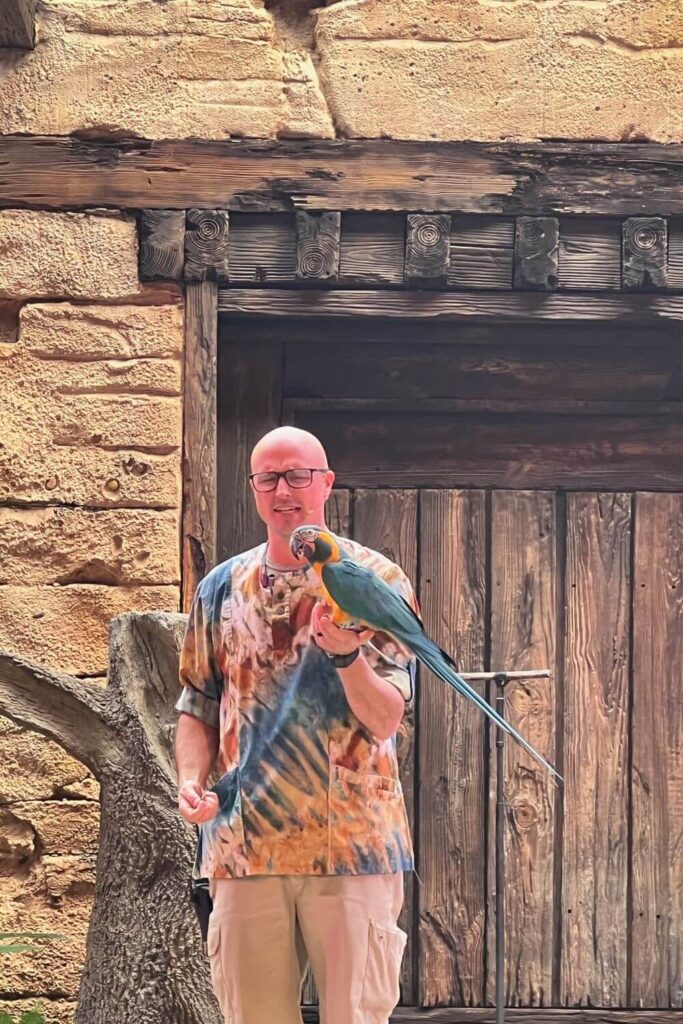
(334, 639)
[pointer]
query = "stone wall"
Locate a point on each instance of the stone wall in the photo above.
(90, 385)
(418, 69)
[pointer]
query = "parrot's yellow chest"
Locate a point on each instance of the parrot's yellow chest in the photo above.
(339, 617)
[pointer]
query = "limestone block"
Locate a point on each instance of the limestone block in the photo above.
(63, 331)
(66, 545)
(91, 396)
(74, 255)
(66, 628)
(17, 839)
(34, 768)
(200, 68)
(55, 967)
(67, 875)
(55, 1011)
(433, 69)
(61, 826)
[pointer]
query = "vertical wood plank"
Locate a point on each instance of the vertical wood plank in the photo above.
(523, 631)
(657, 738)
(199, 437)
(162, 245)
(249, 404)
(536, 253)
(338, 512)
(644, 258)
(387, 522)
(451, 765)
(428, 245)
(206, 246)
(596, 682)
(317, 246)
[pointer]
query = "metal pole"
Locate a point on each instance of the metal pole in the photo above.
(500, 854)
(501, 679)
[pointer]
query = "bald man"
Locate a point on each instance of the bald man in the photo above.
(304, 836)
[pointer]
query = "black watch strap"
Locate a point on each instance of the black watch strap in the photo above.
(344, 660)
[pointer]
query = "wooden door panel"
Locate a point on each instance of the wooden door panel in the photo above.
(412, 371)
(657, 771)
(417, 449)
(597, 665)
(524, 587)
(451, 764)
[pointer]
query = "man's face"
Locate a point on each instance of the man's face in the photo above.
(285, 508)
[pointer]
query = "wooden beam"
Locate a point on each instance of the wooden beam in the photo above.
(536, 248)
(518, 307)
(513, 179)
(199, 437)
(17, 24)
(645, 255)
(162, 245)
(206, 246)
(561, 407)
(317, 246)
(428, 243)
(518, 1015)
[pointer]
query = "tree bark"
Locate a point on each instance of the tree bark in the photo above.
(144, 960)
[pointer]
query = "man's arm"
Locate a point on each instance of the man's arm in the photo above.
(374, 701)
(196, 748)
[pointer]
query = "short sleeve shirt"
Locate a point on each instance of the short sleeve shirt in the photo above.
(304, 787)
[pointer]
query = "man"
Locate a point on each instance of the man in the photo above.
(304, 837)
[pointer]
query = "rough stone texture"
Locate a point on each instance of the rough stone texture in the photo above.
(60, 826)
(65, 628)
(67, 255)
(420, 69)
(504, 69)
(203, 68)
(64, 545)
(55, 969)
(55, 1011)
(91, 397)
(34, 768)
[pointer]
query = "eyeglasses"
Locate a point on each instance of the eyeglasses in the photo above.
(296, 478)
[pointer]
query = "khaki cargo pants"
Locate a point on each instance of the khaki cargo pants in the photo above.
(263, 931)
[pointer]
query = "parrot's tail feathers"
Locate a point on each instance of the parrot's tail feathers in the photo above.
(442, 665)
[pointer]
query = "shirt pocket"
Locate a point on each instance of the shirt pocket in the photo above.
(366, 815)
(381, 981)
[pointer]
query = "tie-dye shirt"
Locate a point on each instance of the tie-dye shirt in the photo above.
(304, 787)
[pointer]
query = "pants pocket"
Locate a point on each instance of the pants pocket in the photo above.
(213, 948)
(381, 982)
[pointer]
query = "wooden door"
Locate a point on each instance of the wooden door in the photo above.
(566, 571)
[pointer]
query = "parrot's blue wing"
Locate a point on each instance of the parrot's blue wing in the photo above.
(366, 597)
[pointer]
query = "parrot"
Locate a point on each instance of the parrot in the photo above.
(359, 598)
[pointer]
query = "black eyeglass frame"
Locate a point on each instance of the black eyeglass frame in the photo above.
(277, 475)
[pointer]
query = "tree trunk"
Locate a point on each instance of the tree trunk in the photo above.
(144, 959)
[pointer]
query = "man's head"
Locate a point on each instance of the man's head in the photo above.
(288, 506)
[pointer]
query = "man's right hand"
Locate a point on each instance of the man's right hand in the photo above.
(197, 804)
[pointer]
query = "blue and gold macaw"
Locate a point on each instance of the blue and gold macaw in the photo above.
(358, 597)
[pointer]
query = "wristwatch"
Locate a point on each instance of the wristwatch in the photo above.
(343, 660)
